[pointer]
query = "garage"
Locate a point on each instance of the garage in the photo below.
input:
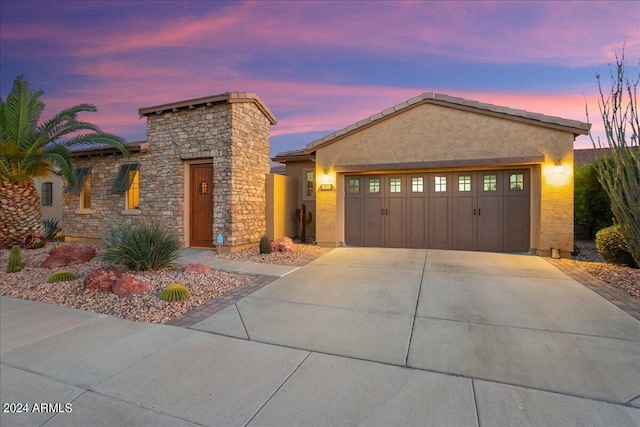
(442, 172)
(465, 210)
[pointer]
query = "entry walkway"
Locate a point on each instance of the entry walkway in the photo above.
(357, 337)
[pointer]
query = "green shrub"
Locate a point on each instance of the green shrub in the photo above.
(61, 276)
(592, 208)
(611, 246)
(141, 247)
(15, 263)
(51, 228)
(175, 292)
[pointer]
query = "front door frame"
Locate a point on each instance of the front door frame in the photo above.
(187, 196)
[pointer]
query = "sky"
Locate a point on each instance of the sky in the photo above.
(319, 65)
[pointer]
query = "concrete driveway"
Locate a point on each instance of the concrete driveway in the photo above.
(358, 337)
(511, 319)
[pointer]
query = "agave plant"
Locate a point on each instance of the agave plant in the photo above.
(28, 147)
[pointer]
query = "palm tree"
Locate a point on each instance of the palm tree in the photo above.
(28, 148)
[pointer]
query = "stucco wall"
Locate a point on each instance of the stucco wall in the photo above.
(281, 203)
(54, 210)
(430, 133)
(297, 170)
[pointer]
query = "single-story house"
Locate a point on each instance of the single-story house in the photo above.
(201, 172)
(442, 172)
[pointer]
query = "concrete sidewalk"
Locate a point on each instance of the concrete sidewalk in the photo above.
(200, 256)
(357, 337)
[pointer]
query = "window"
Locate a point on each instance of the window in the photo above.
(516, 181)
(80, 173)
(490, 183)
(374, 185)
(85, 194)
(440, 184)
(395, 185)
(417, 184)
(354, 186)
(133, 194)
(309, 183)
(47, 194)
(464, 183)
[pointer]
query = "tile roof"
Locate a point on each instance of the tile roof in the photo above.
(228, 97)
(583, 156)
(577, 127)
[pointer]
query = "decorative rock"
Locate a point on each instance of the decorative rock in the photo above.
(102, 279)
(68, 255)
(128, 285)
(197, 268)
(283, 244)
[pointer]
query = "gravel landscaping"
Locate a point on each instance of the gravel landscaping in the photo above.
(31, 284)
(304, 254)
(624, 278)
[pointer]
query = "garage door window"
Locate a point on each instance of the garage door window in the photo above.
(464, 183)
(440, 184)
(354, 186)
(417, 184)
(395, 185)
(516, 181)
(490, 183)
(374, 185)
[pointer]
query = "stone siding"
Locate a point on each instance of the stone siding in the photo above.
(232, 136)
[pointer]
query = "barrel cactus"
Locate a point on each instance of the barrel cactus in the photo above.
(265, 245)
(175, 292)
(61, 276)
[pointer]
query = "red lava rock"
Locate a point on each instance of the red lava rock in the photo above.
(128, 285)
(197, 268)
(102, 279)
(283, 244)
(68, 255)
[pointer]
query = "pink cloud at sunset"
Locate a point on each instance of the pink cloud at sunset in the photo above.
(319, 66)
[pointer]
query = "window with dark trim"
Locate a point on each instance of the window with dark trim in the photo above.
(80, 173)
(125, 177)
(47, 194)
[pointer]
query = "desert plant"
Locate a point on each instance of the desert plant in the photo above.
(27, 150)
(620, 178)
(592, 208)
(175, 292)
(304, 218)
(141, 247)
(61, 276)
(265, 245)
(15, 260)
(51, 228)
(611, 245)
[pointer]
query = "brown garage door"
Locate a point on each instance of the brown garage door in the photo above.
(476, 210)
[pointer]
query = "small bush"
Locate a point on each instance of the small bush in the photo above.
(611, 246)
(61, 276)
(175, 292)
(51, 228)
(141, 247)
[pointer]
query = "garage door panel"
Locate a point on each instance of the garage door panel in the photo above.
(396, 223)
(373, 225)
(464, 235)
(353, 229)
(417, 222)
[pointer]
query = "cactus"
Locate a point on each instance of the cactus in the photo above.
(15, 262)
(175, 292)
(61, 276)
(304, 218)
(265, 245)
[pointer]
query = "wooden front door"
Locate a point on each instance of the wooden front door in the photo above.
(201, 210)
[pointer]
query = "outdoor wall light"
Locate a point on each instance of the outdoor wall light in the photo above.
(558, 166)
(325, 182)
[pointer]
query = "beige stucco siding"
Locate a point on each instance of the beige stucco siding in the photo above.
(430, 133)
(297, 170)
